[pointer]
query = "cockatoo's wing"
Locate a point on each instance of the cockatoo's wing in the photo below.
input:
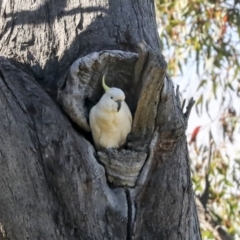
(127, 112)
(125, 123)
(96, 131)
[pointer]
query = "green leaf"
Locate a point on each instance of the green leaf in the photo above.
(202, 83)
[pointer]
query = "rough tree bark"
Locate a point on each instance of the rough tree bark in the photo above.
(53, 184)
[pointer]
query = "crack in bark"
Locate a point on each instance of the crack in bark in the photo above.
(182, 211)
(129, 210)
(2, 76)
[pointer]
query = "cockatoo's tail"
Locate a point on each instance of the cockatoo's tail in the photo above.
(105, 87)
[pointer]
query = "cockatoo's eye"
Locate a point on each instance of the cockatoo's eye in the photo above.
(111, 97)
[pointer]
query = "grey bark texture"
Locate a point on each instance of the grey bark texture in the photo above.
(53, 184)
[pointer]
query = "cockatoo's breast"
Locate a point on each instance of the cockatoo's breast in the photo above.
(113, 130)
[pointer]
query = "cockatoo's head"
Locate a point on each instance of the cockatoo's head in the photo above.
(112, 99)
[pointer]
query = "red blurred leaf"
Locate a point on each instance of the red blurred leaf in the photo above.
(225, 18)
(195, 133)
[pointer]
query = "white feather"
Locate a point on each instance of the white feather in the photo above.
(109, 126)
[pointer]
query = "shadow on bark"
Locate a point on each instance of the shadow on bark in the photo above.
(113, 36)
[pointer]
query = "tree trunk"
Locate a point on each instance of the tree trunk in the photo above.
(53, 184)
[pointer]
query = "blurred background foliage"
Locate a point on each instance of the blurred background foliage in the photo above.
(201, 42)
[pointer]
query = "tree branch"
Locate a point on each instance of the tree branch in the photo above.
(189, 108)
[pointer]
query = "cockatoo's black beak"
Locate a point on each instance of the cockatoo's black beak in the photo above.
(119, 102)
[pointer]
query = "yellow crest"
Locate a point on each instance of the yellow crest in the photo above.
(105, 87)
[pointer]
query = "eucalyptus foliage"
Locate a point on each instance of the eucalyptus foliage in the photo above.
(203, 37)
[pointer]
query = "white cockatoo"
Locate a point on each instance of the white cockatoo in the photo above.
(110, 119)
